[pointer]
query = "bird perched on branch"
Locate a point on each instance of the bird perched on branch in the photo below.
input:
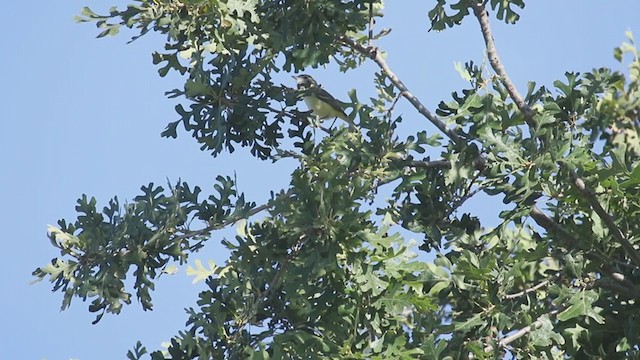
(322, 104)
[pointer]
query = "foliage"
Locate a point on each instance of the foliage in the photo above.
(324, 271)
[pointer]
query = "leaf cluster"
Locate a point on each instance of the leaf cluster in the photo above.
(326, 271)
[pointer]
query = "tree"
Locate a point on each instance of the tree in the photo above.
(321, 270)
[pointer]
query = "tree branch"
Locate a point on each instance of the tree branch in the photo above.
(525, 330)
(389, 111)
(609, 284)
(551, 225)
(227, 222)
(526, 291)
(591, 198)
(460, 201)
(262, 296)
(283, 112)
(622, 285)
(371, 22)
(376, 55)
(494, 59)
(432, 164)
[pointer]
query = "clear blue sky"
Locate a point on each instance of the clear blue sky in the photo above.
(84, 116)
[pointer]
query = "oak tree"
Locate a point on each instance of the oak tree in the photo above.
(322, 269)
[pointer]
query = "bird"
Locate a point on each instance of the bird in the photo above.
(322, 104)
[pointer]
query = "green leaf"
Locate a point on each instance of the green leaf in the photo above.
(437, 287)
(460, 69)
(544, 335)
(200, 273)
(433, 348)
(469, 324)
(581, 304)
(137, 353)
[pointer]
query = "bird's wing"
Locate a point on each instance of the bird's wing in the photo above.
(325, 97)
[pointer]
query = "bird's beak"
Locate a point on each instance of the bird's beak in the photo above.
(293, 76)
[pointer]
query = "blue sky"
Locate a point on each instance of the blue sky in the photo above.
(84, 116)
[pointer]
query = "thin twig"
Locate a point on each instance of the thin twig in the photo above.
(608, 284)
(525, 330)
(387, 116)
(376, 55)
(624, 264)
(281, 112)
(371, 22)
(458, 203)
(282, 154)
(389, 111)
(494, 59)
(432, 164)
(551, 226)
(526, 291)
(590, 196)
(617, 276)
(227, 222)
(282, 268)
(624, 286)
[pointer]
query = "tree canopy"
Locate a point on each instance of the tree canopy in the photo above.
(322, 270)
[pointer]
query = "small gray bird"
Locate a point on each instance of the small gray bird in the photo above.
(322, 104)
